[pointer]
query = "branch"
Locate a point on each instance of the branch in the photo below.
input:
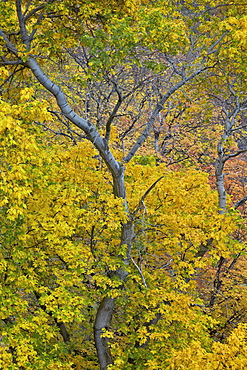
(11, 76)
(232, 264)
(140, 272)
(62, 328)
(56, 133)
(239, 128)
(90, 130)
(217, 282)
(113, 114)
(140, 205)
(11, 62)
(203, 248)
(149, 324)
(66, 124)
(9, 44)
(23, 29)
(211, 49)
(157, 109)
(240, 202)
(35, 10)
(121, 98)
(234, 155)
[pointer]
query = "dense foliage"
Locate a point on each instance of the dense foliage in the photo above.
(118, 245)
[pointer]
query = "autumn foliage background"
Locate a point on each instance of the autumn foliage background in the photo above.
(123, 185)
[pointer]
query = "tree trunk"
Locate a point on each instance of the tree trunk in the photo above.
(219, 166)
(106, 307)
(102, 321)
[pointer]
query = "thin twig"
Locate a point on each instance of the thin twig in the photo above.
(140, 272)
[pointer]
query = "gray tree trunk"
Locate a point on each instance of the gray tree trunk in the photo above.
(105, 310)
(219, 167)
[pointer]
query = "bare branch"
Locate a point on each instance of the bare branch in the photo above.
(140, 272)
(158, 108)
(29, 15)
(240, 202)
(9, 44)
(10, 77)
(56, 133)
(22, 24)
(211, 49)
(114, 112)
(11, 62)
(239, 128)
(234, 155)
(140, 205)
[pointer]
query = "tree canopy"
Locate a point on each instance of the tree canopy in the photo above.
(119, 245)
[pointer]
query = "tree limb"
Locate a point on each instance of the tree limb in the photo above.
(157, 109)
(140, 205)
(234, 154)
(240, 202)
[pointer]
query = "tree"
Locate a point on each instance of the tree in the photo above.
(117, 37)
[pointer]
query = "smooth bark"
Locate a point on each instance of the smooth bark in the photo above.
(105, 310)
(102, 321)
(219, 167)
